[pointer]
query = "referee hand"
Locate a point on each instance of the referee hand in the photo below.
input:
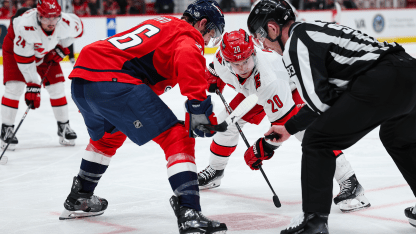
(278, 129)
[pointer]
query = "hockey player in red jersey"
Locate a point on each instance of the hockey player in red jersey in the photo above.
(118, 98)
(249, 70)
(36, 41)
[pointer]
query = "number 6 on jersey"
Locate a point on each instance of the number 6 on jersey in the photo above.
(132, 39)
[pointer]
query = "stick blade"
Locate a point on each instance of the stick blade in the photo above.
(276, 202)
(4, 160)
(245, 106)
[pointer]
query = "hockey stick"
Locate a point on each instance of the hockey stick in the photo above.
(4, 159)
(276, 200)
(245, 106)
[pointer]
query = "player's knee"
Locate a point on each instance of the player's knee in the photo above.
(14, 89)
(227, 138)
(109, 143)
(175, 141)
(56, 90)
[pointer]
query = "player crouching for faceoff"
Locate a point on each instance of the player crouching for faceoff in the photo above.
(36, 41)
(249, 70)
(118, 97)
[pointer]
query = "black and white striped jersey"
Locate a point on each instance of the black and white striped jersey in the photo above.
(322, 58)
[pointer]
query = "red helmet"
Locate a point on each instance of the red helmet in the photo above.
(237, 46)
(49, 8)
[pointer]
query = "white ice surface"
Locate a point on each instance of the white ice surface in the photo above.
(38, 176)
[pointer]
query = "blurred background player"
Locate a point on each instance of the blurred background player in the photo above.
(36, 41)
(117, 96)
(67, 7)
(249, 70)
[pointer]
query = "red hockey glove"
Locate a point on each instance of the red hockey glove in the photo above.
(261, 150)
(32, 95)
(214, 81)
(56, 54)
(199, 113)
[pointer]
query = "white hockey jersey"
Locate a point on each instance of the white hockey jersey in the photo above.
(31, 43)
(269, 81)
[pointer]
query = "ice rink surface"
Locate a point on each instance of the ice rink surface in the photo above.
(38, 177)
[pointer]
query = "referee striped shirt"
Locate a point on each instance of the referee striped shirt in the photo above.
(322, 58)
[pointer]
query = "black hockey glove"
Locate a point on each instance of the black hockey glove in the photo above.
(199, 113)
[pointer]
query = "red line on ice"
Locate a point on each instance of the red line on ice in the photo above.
(384, 188)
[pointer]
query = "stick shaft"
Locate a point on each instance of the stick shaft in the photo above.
(229, 110)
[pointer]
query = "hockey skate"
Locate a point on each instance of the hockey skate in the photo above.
(66, 135)
(191, 221)
(79, 205)
(6, 137)
(308, 223)
(210, 178)
(410, 213)
(351, 196)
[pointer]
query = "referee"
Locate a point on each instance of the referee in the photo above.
(352, 83)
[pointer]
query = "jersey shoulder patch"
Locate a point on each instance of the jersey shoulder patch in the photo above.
(70, 26)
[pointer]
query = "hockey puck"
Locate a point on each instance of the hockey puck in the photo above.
(4, 160)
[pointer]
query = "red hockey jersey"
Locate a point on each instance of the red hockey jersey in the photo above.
(160, 52)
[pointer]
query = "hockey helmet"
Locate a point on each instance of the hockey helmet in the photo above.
(48, 8)
(265, 11)
(210, 10)
(237, 46)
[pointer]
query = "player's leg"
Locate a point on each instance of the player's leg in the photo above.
(224, 144)
(139, 113)
(402, 149)
(14, 87)
(179, 151)
(351, 195)
(398, 134)
(9, 106)
(54, 84)
(81, 202)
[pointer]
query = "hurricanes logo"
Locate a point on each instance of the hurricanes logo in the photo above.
(51, 6)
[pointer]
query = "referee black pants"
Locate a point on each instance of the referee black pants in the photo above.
(385, 95)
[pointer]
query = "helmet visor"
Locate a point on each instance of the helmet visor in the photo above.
(259, 37)
(216, 34)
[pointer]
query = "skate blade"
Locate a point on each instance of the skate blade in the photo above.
(412, 222)
(346, 206)
(66, 214)
(66, 142)
(210, 185)
(11, 147)
(193, 231)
